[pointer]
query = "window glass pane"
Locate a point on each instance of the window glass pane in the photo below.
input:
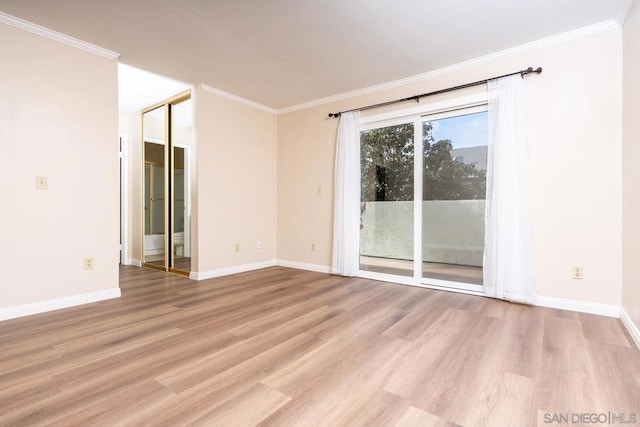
(386, 229)
(453, 202)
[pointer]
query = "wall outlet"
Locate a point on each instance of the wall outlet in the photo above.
(313, 247)
(577, 272)
(259, 244)
(41, 182)
(237, 247)
(88, 263)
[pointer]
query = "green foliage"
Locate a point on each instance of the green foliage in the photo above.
(387, 167)
(387, 151)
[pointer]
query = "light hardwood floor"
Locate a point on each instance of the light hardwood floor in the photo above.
(288, 347)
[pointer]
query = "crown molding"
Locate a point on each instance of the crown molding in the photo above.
(235, 98)
(527, 47)
(56, 36)
(623, 11)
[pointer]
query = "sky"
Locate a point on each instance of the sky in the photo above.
(469, 130)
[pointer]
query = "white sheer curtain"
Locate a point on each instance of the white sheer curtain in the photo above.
(346, 207)
(508, 269)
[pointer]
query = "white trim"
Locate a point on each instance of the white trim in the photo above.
(124, 198)
(424, 282)
(56, 36)
(304, 266)
(418, 147)
(580, 306)
(411, 281)
(524, 48)
(135, 262)
(194, 275)
(631, 327)
(457, 290)
(623, 11)
(444, 284)
(235, 98)
(58, 303)
(390, 278)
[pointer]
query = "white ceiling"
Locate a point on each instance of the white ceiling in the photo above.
(138, 89)
(281, 53)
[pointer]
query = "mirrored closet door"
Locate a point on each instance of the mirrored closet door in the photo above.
(166, 130)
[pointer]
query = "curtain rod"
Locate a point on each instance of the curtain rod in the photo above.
(437, 92)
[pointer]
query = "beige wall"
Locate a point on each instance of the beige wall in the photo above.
(258, 175)
(236, 169)
(631, 167)
(575, 137)
(59, 114)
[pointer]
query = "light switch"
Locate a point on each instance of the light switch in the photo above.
(41, 182)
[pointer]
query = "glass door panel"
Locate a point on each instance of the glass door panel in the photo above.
(155, 188)
(453, 197)
(181, 119)
(386, 220)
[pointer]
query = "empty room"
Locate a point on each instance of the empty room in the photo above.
(320, 213)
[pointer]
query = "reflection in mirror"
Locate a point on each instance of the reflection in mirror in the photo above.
(153, 124)
(181, 212)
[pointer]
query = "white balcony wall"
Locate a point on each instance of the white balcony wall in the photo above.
(452, 230)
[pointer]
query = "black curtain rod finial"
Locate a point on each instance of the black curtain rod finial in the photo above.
(531, 70)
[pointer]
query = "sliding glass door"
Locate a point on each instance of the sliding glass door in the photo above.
(423, 197)
(386, 201)
(155, 188)
(453, 198)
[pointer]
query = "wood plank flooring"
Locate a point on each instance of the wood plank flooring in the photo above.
(284, 347)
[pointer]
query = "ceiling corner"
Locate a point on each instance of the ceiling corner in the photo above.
(623, 11)
(235, 98)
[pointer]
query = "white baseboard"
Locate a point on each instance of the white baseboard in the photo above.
(135, 262)
(56, 304)
(231, 270)
(631, 327)
(581, 306)
(303, 266)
